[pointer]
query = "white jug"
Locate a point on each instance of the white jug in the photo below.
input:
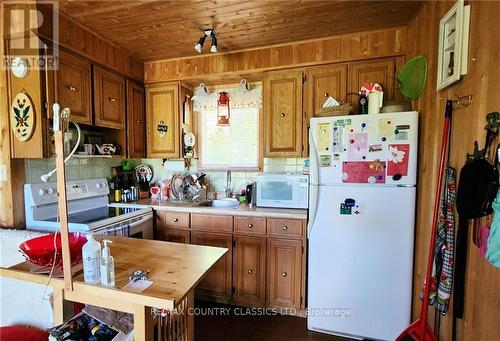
(375, 100)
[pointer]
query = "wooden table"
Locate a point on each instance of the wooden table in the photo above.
(175, 271)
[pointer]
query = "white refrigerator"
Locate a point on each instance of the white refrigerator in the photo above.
(361, 224)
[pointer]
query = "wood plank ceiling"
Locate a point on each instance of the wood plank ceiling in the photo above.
(152, 30)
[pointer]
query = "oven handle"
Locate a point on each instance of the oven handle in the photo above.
(141, 221)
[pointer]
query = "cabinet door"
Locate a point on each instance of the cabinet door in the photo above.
(73, 87)
(136, 120)
(109, 99)
(283, 113)
(162, 110)
(217, 283)
(176, 236)
(284, 272)
(250, 269)
(371, 71)
(322, 82)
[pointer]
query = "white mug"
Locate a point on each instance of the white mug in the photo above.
(375, 100)
(89, 149)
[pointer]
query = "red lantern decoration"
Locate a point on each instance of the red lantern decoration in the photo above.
(223, 113)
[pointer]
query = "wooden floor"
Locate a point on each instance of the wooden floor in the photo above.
(235, 327)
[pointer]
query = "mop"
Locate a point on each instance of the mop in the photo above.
(420, 330)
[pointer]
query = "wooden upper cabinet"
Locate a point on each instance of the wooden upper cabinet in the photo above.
(322, 82)
(217, 284)
(136, 120)
(250, 270)
(284, 266)
(283, 113)
(371, 71)
(162, 118)
(109, 99)
(72, 87)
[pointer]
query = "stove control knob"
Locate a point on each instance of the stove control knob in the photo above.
(97, 185)
(41, 192)
(104, 185)
(50, 191)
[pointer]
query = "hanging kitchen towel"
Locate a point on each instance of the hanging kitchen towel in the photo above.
(442, 272)
(493, 252)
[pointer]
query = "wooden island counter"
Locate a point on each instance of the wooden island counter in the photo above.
(176, 269)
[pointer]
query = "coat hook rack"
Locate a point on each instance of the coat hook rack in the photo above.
(463, 101)
(493, 128)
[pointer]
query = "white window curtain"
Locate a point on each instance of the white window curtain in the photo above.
(240, 97)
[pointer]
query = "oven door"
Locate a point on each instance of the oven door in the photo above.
(137, 227)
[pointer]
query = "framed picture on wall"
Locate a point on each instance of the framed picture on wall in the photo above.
(453, 45)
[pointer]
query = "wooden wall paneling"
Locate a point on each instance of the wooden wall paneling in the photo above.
(36, 146)
(483, 280)
(12, 181)
(169, 29)
(81, 40)
(348, 47)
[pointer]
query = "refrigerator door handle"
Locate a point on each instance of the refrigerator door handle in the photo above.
(313, 160)
(313, 187)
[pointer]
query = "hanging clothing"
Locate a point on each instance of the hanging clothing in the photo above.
(442, 271)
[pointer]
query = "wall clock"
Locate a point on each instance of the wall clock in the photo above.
(20, 67)
(22, 117)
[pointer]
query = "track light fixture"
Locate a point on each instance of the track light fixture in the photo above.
(207, 33)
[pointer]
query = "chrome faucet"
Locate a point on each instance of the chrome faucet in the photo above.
(229, 191)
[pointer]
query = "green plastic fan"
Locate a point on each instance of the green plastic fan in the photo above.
(412, 77)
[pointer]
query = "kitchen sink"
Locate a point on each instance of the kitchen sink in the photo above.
(221, 203)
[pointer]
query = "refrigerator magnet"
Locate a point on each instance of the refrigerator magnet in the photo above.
(385, 128)
(397, 159)
(325, 160)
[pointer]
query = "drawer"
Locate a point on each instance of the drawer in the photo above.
(285, 228)
(172, 219)
(249, 225)
(210, 222)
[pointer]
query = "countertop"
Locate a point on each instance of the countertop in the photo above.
(242, 210)
(175, 270)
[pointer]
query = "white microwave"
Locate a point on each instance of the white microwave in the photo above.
(283, 190)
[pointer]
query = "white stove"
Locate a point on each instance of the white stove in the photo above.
(88, 210)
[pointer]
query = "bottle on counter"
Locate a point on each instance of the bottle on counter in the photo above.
(107, 266)
(363, 103)
(91, 254)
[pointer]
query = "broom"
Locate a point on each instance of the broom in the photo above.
(420, 329)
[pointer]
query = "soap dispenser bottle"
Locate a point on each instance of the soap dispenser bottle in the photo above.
(107, 266)
(91, 254)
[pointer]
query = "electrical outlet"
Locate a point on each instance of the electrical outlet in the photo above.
(3, 172)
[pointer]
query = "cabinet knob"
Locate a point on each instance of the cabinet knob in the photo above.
(282, 114)
(285, 228)
(327, 94)
(250, 226)
(176, 220)
(111, 99)
(284, 274)
(250, 272)
(71, 88)
(138, 121)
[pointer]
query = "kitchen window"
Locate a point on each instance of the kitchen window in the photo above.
(237, 146)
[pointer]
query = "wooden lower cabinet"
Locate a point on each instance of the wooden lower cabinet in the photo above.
(284, 271)
(217, 284)
(176, 236)
(249, 270)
